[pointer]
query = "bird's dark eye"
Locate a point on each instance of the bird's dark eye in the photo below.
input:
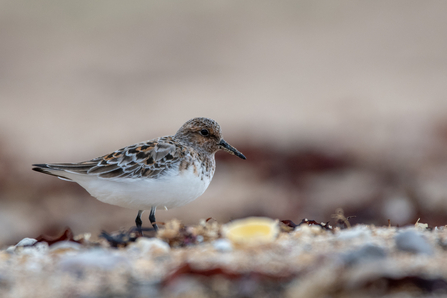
(204, 132)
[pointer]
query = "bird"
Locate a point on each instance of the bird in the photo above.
(168, 171)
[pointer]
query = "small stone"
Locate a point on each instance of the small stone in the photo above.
(309, 230)
(357, 232)
(150, 246)
(366, 253)
(38, 249)
(26, 242)
(413, 242)
(222, 245)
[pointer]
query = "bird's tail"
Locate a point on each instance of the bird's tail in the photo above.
(51, 169)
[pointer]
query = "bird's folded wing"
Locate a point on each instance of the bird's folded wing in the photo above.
(148, 159)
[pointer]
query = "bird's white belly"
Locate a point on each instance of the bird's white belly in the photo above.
(142, 193)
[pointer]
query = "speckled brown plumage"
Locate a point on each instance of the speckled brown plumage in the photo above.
(169, 171)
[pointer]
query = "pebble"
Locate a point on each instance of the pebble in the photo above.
(22, 243)
(222, 245)
(37, 250)
(366, 253)
(307, 230)
(26, 242)
(413, 242)
(357, 232)
(145, 245)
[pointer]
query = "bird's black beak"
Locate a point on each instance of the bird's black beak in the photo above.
(230, 149)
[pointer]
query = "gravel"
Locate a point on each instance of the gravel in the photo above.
(307, 261)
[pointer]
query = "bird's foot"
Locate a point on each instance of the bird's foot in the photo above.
(154, 226)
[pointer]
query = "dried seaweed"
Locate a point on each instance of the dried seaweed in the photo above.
(124, 238)
(291, 224)
(67, 235)
(177, 234)
(425, 285)
(341, 220)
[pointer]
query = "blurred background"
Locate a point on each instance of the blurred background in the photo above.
(335, 104)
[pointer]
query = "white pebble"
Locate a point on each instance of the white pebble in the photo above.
(149, 245)
(26, 242)
(222, 245)
(357, 232)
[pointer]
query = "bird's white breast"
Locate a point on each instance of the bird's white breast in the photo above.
(171, 190)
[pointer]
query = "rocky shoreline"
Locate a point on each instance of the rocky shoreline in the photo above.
(201, 261)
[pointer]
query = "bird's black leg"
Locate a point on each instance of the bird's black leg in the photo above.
(138, 220)
(152, 218)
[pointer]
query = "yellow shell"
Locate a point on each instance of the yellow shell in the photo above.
(251, 230)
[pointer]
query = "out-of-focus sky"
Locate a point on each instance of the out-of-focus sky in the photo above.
(81, 78)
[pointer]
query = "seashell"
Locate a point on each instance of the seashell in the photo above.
(251, 230)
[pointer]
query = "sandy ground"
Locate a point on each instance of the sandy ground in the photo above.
(205, 261)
